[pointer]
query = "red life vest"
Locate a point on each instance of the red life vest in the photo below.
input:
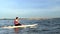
(15, 21)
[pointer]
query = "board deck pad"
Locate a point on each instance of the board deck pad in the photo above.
(22, 26)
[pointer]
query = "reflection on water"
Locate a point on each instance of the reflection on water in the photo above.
(16, 30)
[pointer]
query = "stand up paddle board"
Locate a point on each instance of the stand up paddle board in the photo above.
(22, 26)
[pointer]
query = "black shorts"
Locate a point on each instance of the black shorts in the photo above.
(17, 24)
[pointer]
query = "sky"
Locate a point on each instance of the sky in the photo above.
(29, 8)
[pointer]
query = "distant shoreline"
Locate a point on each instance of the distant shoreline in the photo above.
(30, 18)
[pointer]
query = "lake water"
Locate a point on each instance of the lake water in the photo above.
(48, 26)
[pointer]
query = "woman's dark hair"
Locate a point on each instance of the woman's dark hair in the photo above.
(16, 17)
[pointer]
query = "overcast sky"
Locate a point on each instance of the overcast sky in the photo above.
(30, 8)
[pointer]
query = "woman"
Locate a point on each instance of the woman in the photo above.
(16, 22)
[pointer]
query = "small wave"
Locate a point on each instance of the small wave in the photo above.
(45, 30)
(36, 31)
(46, 24)
(57, 24)
(54, 33)
(58, 28)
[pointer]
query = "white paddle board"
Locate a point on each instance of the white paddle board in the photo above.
(22, 26)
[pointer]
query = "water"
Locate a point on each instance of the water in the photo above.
(48, 26)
